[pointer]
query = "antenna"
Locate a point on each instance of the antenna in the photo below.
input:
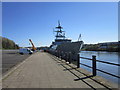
(79, 37)
(59, 27)
(58, 23)
(53, 30)
(64, 35)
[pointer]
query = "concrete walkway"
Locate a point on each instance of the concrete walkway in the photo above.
(41, 70)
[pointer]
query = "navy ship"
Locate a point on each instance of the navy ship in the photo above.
(62, 44)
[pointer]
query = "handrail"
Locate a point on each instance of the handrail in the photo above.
(100, 70)
(101, 61)
(86, 58)
(108, 73)
(67, 57)
(85, 65)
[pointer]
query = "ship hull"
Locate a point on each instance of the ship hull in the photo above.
(71, 48)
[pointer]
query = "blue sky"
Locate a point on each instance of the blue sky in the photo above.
(96, 21)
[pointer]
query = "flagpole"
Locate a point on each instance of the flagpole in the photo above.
(79, 37)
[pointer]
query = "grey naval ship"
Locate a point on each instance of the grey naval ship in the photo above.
(62, 44)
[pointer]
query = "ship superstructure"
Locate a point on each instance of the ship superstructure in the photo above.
(60, 35)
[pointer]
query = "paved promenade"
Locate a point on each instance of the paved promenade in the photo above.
(42, 70)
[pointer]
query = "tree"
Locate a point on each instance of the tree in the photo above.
(8, 44)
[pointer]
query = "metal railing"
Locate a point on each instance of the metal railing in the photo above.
(94, 66)
(67, 57)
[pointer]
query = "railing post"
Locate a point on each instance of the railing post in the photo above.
(58, 54)
(94, 64)
(66, 56)
(69, 58)
(61, 55)
(78, 62)
(55, 53)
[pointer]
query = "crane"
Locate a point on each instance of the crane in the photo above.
(33, 47)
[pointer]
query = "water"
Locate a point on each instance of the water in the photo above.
(112, 57)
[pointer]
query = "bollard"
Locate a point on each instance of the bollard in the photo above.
(78, 62)
(94, 64)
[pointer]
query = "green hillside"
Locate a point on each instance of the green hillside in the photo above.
(8, 44)
(109, 46)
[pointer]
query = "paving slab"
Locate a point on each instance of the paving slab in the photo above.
(42, 70)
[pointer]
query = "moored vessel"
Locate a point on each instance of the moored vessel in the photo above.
(64, 45)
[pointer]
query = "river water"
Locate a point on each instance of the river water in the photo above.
(112, 57)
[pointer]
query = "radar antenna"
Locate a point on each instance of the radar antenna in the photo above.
(59, 32)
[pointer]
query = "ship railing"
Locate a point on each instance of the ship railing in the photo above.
(67, 57)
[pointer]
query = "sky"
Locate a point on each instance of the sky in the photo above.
(96, 21)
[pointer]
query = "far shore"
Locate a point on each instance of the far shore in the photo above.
(102, 50)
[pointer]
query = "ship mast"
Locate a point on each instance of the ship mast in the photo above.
(60, 34)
